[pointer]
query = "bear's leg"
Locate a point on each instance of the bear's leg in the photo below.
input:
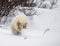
(25, 25)
(20, 27)
(15, 32)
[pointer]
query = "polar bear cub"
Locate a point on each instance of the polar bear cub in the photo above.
(18, 23)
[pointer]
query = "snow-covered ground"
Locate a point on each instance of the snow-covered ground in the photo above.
(44, 30)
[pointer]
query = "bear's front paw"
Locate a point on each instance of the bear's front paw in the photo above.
(15, 32)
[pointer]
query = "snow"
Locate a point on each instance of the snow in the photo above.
(43, 30)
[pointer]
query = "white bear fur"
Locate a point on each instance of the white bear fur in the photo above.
(18, 23)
